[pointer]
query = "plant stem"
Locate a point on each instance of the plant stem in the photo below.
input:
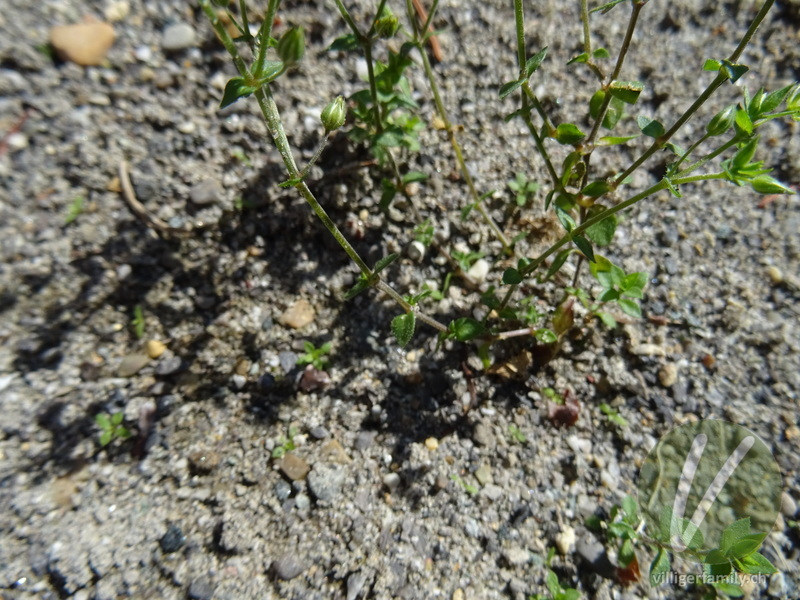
(712, 87)
(264, 35)
(225, 38)
(387, 289)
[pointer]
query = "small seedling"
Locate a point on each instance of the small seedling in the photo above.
(111, 428)
(556, 589)
(470, 489)
(138, 322)
(516, 434)
(523, 188)
(315, 356)
(75, 210)
(285, 444)
(613, 416)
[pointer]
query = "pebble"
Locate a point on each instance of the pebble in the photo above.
(788, 505)
(648, 350)
(288, 567)
(319, 432)
(332, 451)
(668, 374)
(85, 44)
(17, 141)
(239, 381)
(282, 490)
(294, 467)
(391, 481)
(313, 379)
(201, 589)
(205, 193)
(143, 53)
(416, 251)
(483, 474)
(154, 348)
(777, 585)
(479, 270)
(173, 540)
(593, 552)
(203, 462)
(298, 315)
(326, 481)
(482, 435)
(565, 540)
(517, 556)
(431, 443)
(168, 366)
(178, 37)
(492, 492)
(775, 275)
(302, 501)
(132, 364)
(355, 583)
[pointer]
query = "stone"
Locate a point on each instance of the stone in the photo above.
(173, 540)
(154, 348)
(479, 270)
(416, 251)
(391, 481)
(132, 364)
(326, 481)
(85, 44)
(483, 474)
(178, 36)
(201, 589)
(431, 443)
(294, 467)
(298, 315)
(117, 11)
(565, 540)
(206, 192)
(288, 567)
(668, 374)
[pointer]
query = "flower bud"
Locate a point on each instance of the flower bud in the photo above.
(387, 25)
(292, 46)
(333, 115)
(722, 121)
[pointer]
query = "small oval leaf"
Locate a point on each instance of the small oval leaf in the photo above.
(403, 328)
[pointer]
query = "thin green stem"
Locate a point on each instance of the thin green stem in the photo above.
(388, 290)
(427, 26)
(708, 157)
(691, 149)
(373, 86)
(587, 33)
(264, 35)
(225, 38)
(348, 19)
(323, 143)
(539, 141)
(381, 6)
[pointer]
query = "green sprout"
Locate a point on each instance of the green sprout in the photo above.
(314, 356)
(111, 428)
(75, 210)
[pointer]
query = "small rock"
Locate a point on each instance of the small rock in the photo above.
(391, 481)
(332, 451)
(364, 440)
(431, 443)
(154, 348)
(319, 433)
(777, 585)
(178, 37)
(298, 315)
(668, 374)
(288, 567)
(85, 44)
(775, 275)
(483, 435)
(416, 251)
(117, 11)
(788, 506)
(313, 379)
(355, 583)
(287, 360)
(294, 467)
(282, 490)
(517, 556)
(483, 474)
(206, 192)
(239, 381)
(326, 481)
(168, 366)
(565, 540)
(594, 553)
(492, 492)
(648, 350)
(479, 270)
(302, 501)
(201, 589)
(132, 364)
(173, 540)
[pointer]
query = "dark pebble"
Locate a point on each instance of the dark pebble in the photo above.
(266, 382)
(173, 540)
(287, 567)
(168, 366)
(201, 589)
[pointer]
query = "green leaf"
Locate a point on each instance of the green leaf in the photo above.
(508, 88)
(716, 557)
(756, 564)
(774, 99)
(732, 533)
(615, 140)
(584, 246)
(659, 567)
(344, 43)
(105, 437)
(595, 103)
(568, 134)
(711, 65)
(414, 176)
(633, 281)
(607, 319)
(356, 289)
(403, 328)
(580, 58)
(746, 544)
(534, 61)
(607, 6)
(733, 71)
(601, 233)
(596, 189)
(601, 53)
(764, 184)
(616, 108)
(235, 89)
(627, 91)
(558, 262)
(116, 418)
(731, 590)
(630, 307)
(545, 336)
(103, 421)
(630, 507)
(385, 262)
(466, 329)
(566, 220)
(650, 127)
(742, 119)
(626, 555)
(511, 276)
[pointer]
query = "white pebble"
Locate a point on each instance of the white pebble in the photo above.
(565, 540)
(416, 251)
(479, 270)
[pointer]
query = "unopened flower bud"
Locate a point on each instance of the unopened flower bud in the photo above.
(722, 121)
(334, 114)
(292, 46)
(387, 25)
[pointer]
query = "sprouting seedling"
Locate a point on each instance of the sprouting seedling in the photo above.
(523, 188)
(470, 489)
(314, 356)
(516, 434)
(285, 444)
(138, 322)
(111, 428)
(75, 210)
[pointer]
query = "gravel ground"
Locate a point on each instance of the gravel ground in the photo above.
(405, 480)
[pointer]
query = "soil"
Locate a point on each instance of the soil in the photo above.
(396, 473)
